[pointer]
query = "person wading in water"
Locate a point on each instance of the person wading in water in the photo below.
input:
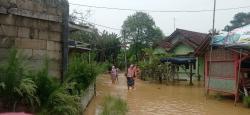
(130, 77)
(113, 74)
(117, 72)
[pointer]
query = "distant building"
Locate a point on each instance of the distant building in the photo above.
(184, 43)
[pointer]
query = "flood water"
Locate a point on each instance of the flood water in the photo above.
(156, 99)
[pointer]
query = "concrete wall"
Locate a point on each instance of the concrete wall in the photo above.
(88, 95)
(35, 28)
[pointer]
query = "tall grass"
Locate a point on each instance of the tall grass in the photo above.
(114, 106)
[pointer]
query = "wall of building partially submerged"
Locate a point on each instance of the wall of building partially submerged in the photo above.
(221, 70)
(35, 28)
(182, 50)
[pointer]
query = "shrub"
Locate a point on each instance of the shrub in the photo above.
(46, 85)
(55, 99)
(62, 103)
(114, 106)
(104, 67)
(81, 73)
(246, 101)
(15, 86)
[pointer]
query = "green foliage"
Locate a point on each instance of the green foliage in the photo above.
(55, 98)
(103, 67)
(81, 73)
(16, 87)
(151, 66)
(158, 36)
(65, 99)
(121, 61)
(105, 46)
(108, 47)
(84, 36)
(46, 85)
(140, 30)
(62, 103)
(153, 56)
(240, 19)
(114, 106)
(246, 101)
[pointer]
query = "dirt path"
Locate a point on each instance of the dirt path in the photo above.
(156, 99)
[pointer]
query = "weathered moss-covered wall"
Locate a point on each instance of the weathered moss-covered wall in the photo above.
(35, 28)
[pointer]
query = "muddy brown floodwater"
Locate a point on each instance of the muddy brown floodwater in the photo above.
(157, 99)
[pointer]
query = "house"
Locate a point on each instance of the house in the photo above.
(226, 68)
(227, 63)
(184, 43)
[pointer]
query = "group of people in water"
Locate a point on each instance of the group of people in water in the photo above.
(132, 73)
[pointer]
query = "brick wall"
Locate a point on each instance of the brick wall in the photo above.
(34, 27)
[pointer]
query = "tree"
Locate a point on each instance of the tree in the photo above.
(158, 37)
(108, 47)
(240, 19)
(140, 30)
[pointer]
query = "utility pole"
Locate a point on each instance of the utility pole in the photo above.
(174, 23)
(211, 47)
(214, 18)
(125, 50)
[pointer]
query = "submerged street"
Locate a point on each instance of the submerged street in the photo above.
(157, 99)
(69, 57)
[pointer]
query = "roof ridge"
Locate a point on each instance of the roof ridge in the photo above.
(190, 31)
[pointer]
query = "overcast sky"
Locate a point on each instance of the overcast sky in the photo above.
(200, 22)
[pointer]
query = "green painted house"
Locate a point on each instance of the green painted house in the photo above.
(184, 43)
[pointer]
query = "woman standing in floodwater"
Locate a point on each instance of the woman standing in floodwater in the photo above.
(130, 77)
(113, 74)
